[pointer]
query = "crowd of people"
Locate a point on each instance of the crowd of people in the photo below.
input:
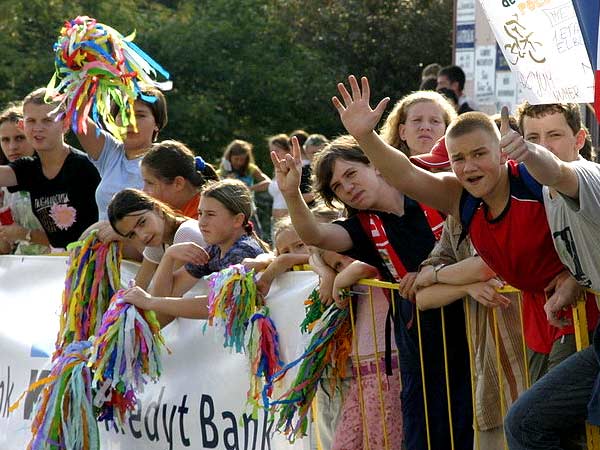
(445, 201)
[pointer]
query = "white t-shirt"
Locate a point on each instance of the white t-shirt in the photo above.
(188, 231)
(575, 225)
(278, 200)
(116, 172)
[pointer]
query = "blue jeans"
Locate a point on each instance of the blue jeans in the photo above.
(555, 406)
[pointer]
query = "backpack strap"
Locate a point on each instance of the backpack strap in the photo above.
(532, 185)
(373, 227)
(435, 219)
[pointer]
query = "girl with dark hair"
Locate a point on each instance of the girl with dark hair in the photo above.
(149, 223)
(224, 219)
(172, 174)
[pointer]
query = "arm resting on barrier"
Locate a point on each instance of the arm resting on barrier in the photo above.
(189, 308)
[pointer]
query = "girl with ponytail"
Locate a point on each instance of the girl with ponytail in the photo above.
(173, 175)
(224, 218)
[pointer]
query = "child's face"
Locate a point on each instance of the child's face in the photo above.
(553, 132)
(217, 224)
(146, 126)
(336, 261)
(13, 141)
(40, 128)
(288, 241)
(157, 188)
(355, 184)
(145, 227)
(423, 127)
(477, 162)
(312, 150)
(238, 161)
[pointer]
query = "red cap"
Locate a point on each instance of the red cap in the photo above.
(437, 158)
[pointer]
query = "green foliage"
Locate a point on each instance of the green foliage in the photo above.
(244, 68)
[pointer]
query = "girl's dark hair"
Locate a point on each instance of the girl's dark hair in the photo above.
(237, 198)
(238, 147)
(132, 201)
(156, 101)
(170, 159)
(343, 147)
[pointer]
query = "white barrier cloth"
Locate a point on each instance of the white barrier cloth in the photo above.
(542, 42)
(199, 401)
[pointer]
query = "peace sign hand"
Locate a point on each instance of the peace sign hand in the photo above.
(288, 170)
(354, 110)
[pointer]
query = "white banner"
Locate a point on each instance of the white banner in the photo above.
(199, 401)
(542, 43)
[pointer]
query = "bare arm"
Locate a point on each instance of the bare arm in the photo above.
(279, 265)
(349, 276)
(261, 181)
(443, 190)
(483, 292)
(91, 142)
(7, 176)
(541, 163)
(466, 271)
(324, 235)
(171, 282)
(189, 308)
(144, 275)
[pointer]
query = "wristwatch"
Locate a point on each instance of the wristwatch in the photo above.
(436, 269)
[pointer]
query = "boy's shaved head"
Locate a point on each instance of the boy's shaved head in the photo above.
(472, 121)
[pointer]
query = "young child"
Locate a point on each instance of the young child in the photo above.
(224, 213)
(60, 179)
(238, 162)
(290, 251)
(173, 175)
(26, 235)
(495, 202)
(362, 403)
(153, 225)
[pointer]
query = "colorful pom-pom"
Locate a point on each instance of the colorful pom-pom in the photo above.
(96, 68)
(92, 278)
(64, 416)
(232, 300)
(329, 347)
(262, 348)
(125, 356)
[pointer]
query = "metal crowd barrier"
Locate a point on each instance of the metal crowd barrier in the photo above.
(581, 338)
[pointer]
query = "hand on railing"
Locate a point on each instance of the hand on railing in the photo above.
(486, 293)
(561, 292)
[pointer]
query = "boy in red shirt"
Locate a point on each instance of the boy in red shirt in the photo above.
(499, 205)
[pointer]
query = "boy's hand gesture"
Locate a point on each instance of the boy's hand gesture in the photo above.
(288, 169)
(513, 145)
(355, 112)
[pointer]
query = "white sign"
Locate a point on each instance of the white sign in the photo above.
(465, 11)
(506, 91)
(200, 399)
(542, 43)
(465, 58)
(485, 74)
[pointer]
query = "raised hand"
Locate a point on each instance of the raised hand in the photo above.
(188, 252)
(513, 145)
(354, 109)
(288, 170)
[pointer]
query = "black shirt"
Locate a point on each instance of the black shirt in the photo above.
(65, 205)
